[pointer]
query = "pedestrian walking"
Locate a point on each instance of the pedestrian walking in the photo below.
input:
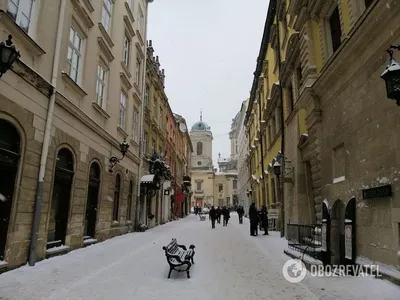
(264, 219)
(226, 215)
(253, 219)
(213, 216)
(240, 212)
(219, 212)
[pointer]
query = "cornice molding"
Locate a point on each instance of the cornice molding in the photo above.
(82, 13)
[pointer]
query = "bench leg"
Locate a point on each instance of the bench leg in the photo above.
(192, 260)
(169, 274)
(188, 275)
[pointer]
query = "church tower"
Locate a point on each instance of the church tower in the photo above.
(201, 137)
(202, 170)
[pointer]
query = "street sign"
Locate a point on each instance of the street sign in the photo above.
(273, 213)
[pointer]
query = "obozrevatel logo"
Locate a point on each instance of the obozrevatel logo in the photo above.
(294, 270)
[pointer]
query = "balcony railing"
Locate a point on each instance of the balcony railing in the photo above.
(305, 238)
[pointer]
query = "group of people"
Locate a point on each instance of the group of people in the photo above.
(258, 218)
(197, 210)
(216, 213)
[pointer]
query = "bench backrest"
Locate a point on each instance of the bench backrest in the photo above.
(171, 248)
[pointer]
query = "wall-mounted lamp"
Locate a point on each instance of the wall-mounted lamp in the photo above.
(391, 75)
(8, 55)
(123, 147)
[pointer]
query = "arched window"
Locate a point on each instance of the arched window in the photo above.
(129, 205)
(117, 191)
(199, 148)
(9, 159)
(92, 200)
(60, 202)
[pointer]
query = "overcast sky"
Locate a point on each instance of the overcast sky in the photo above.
(208, 49)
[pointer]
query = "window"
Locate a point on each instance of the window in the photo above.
(199, 148)
(129, 204)
(122, 110)
(135, 125)
(144, 142)
(220, 188)
(146, 96)
(154, 108)
(127, 49)
(273, 187)
(160, 122)
(74, 55)
(273, 128)
(234, 184)
(141, 22)
(153, 146)
(138, 71)
(117, 191)
(160, 150)
(198, 186)
(129, 3)
(106, 14)
(20, 11)
(335, 30)
(101, 86)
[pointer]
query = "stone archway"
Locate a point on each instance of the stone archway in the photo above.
(10, 149)
(61, 198)
(337, 247)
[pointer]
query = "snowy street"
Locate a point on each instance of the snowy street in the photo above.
(229, 264)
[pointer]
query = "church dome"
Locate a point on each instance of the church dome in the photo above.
(200, 126)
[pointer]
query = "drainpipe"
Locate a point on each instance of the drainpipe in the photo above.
(282, 125)
(46, 139)
(141, 152)
(262, 151)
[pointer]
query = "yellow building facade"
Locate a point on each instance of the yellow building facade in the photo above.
(325, 85)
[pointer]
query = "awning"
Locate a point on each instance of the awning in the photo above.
(147, 178)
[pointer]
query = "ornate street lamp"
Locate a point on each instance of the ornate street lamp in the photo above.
(391, 75)
(8, 55)
(123, 147)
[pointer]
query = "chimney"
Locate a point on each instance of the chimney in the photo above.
(150, 48)
(157, 63)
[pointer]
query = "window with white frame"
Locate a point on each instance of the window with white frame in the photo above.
(20, 11)
(127, 49)
(138, 71)
(122, 110)
(74, 58)
(135, 125)
(101, 86)
(106, 15)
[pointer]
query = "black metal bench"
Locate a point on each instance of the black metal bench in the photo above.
(178, 257)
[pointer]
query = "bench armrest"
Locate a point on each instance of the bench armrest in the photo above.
(183, 247)
(177, 257)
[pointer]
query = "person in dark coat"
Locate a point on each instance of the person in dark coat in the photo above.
(264, 219)
(226, 215)
(219, 212)
(213, 216)
(240, 212)
(253, 216)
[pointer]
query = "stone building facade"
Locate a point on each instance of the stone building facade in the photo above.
(338, 127)
(64, 110)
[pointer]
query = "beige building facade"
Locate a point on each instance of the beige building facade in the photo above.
(72, 98)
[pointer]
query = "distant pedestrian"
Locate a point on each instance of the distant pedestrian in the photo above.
(219, 212)
(253, 216)
(226, 215)
(264, 219)
(213, 216)
(240, 212)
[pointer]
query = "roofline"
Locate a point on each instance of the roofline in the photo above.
(261, 56)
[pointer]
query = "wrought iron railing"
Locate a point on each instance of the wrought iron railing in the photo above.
(305, 239)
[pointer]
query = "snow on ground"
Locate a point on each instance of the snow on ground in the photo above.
(229, 264)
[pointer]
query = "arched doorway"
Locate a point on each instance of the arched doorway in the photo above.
(60, 202)
(10, 149)
(92, 200)
(337, 247)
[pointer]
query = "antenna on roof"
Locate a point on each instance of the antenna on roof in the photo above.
(201, 115)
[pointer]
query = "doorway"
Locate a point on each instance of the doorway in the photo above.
(60, 202)
(92, 200)
(337, 245)
(10, 148)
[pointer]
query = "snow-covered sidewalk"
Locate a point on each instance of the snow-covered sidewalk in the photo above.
(230, 264)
